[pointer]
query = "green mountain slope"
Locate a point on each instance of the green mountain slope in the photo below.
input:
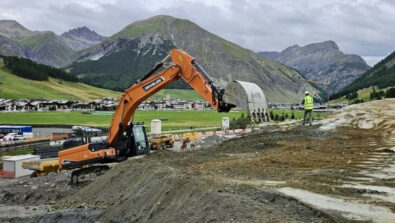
(47, 48)
(15, 87)
(381, 75)
(128, 55)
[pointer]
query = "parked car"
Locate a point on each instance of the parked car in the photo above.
(1, 136)
(18, 137)
(9, 136)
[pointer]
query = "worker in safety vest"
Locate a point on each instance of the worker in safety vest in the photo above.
(308, 103)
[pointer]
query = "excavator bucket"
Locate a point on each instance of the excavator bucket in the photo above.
(249, 97)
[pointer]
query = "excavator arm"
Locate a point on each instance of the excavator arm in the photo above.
(185, 67)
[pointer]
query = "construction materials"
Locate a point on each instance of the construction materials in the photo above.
(13, 165)
(41, 167)
(162, 142)
(156, 126)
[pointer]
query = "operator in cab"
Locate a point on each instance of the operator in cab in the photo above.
(308, 103)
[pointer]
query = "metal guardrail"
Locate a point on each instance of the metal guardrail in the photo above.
(9, 146)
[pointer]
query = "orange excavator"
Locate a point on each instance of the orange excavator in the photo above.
(125, 138)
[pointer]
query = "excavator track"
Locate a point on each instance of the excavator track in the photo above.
(86, 173)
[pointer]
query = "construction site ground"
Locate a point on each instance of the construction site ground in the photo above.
(341, 169)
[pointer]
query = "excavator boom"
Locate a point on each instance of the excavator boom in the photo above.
(185, 67)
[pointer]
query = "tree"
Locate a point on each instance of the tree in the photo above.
(29, 69)
(293, 115)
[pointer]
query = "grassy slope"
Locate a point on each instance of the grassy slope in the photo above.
(175, 119)
(362, 94)
(15, 87)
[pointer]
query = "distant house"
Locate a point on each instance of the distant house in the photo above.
(64, 104)
(23, 106)
(105, 104)
(83, 105)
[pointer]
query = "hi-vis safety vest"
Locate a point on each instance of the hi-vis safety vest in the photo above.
(308, 103)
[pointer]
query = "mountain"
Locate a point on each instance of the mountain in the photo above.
(126, 56)
(47, 48)
(81, 38)
(381, 75)
(319, 61)
(43, 47)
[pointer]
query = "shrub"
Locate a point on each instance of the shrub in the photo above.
(390, 93)
(240, 123)
(271, 115)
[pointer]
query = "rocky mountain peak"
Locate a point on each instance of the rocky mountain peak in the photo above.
(326, 45)
(81, 38)
(83, 32)
(319, 61)
(11, 29)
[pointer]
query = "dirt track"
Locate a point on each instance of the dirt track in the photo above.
(339, 171)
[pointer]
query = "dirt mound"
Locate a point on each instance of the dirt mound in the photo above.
(213, 139)
(36, 191)
(147, 190)
(372, 115)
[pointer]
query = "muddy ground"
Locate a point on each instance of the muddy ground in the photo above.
(341, 170)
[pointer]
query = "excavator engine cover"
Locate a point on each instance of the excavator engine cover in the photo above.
(250, 98)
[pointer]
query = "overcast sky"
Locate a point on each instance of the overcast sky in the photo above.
(362, 27)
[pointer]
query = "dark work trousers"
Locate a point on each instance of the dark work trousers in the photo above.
(310, 118)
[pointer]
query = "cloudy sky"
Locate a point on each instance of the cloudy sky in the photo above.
(363, 27)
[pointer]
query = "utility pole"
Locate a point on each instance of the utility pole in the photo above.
(328, 83)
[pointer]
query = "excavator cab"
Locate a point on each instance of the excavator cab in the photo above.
(140, 142)
(133, 141)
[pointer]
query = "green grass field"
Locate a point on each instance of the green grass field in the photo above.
(174, 119)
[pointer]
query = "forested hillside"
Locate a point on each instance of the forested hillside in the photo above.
(381, 75)
(29, 69)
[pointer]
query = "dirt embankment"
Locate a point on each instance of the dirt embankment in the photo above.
(257, 177)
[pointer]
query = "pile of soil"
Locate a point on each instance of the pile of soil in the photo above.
(213, 139)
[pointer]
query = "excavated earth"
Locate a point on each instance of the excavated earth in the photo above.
(340, 170)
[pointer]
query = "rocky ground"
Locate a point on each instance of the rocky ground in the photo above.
(340, 170)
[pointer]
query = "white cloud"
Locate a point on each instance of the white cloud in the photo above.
(363, 27)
